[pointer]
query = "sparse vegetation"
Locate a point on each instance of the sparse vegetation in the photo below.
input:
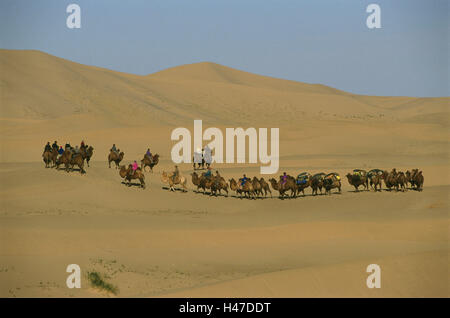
(97, 281)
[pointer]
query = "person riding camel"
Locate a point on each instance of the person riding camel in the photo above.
(67, 146)
(208, 173)
(47, 147)
(284, 178)
(61, 150)
(82, 145)
(244, 180)
(149, 154)
(114, 149)
(133, 169)
(55, 145)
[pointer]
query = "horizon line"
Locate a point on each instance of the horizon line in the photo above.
(212, 62)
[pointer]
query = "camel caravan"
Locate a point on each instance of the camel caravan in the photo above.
(54, 156)
(245, 187)
(320, 183)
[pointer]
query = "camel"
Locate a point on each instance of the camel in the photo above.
(303, 181)
(214, 183)
(77, 160)
(196, 180)
(234, 186)
(282, 188)
(290, 184)
(47, 157)
(418, 180)
(375, 181)
(402, 181)
(116, 158)
(65, 159)
(371, 175)
(247, 189)
(409, 177)
(125, 172)
(147, 162)
(86, 153)
(257, 186)
(219, 184)
(358, 178)
(265, 187)
(53, 157)
(201, 182)
(390, 179)
(168, 178)
(332, 181)
(317, 182)
(415, 178)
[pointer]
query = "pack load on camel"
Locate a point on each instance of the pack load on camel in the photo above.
(317, 182)
(358, 178)
(359, 174)
(332, 181)
(303, 178)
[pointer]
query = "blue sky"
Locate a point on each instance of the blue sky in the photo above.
(314, 41)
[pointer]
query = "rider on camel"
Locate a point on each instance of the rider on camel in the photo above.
(284, 178)
(149, 154)
(55, 145)
(244, 180)
(208, 173)
(47, 147)
(134, 167)
(114, 149)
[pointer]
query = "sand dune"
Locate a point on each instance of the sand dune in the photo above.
(36, 85)
(155, 243)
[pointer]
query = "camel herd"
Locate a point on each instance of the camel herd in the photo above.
(287, 186)
(69, 158)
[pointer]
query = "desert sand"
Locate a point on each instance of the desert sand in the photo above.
(155, 243)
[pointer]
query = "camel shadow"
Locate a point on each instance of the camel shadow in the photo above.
(70, 170)
(211, 195)
(132, 184)
(176, 189)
